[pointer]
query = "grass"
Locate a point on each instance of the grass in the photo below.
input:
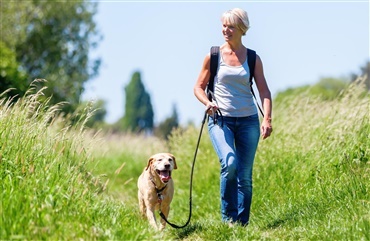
(63, 182)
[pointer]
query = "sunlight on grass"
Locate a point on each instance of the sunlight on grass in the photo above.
(65, 182)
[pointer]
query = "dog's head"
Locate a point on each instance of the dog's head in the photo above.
(162, 165)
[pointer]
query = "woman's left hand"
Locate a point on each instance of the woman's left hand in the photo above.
(266, 128)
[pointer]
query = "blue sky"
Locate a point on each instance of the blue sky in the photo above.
(299, 43)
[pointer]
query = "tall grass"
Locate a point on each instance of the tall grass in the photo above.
(314, 172)
(311, 177)
(47, 191)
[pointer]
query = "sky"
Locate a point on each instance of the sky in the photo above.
(299, 43)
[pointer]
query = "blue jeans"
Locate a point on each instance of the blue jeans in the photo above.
(235, 140)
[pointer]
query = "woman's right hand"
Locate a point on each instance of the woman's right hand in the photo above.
(211, 108)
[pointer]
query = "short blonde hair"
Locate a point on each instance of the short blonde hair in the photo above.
(238, 18)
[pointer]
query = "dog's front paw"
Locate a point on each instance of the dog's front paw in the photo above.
(161, 227)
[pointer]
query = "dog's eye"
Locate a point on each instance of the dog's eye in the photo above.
(170, 160)
(159, 160)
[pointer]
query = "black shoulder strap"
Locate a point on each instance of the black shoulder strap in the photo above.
(251, 56)
(214, 65)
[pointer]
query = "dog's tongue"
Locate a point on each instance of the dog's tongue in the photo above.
(165, 175)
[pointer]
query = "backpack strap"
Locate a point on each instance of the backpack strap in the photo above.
(215, 50)
(251, 56)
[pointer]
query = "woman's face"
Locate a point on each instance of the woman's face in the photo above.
(230, 32)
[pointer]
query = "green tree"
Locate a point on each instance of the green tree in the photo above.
(9, 71)
(52, 40)
(165, 128)
(139, 113)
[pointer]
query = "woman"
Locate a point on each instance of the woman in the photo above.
(235, 133)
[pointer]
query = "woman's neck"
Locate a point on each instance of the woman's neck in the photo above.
(234, 47)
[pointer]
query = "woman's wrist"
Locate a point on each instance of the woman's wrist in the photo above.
(268, 119)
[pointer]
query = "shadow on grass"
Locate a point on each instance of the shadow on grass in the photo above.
(187, 231)
(298, 212)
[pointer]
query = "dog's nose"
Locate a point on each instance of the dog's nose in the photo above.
(167, 166)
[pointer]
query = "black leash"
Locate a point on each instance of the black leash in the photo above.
(191, 182)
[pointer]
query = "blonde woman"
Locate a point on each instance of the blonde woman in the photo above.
(235, 134)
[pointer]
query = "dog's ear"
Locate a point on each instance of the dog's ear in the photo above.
(149, 163)
(174, 160)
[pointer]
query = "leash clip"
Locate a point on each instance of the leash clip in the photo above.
(160, 197)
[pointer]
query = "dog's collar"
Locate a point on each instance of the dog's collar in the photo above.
(156, 188)
(159, 191)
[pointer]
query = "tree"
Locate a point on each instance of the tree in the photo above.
(165, 128)
(365, 71)
(52, 41)
(139, 113)
(9, 71)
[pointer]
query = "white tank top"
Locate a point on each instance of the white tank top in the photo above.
(232, 90)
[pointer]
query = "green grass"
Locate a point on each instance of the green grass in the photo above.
(63, 182)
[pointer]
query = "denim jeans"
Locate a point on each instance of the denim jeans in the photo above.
(235, 140)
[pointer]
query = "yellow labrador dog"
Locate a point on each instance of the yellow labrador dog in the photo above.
(156, 187)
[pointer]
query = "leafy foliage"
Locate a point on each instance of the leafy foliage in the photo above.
(165, 128)
(52, 40)
(9, 71)
(138, 107)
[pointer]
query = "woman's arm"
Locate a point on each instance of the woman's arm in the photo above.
(201, 84)
(265, 95)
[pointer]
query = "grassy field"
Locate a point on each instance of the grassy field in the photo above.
(311, 177)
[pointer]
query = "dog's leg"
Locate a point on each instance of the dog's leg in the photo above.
(142, 205)
(151, 216)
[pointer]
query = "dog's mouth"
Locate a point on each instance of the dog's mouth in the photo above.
(165, 175)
